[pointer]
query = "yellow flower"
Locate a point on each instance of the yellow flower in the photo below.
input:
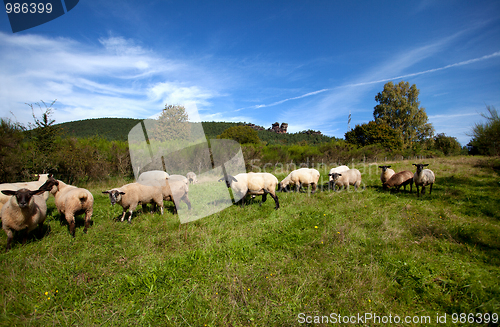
(315, 226)
(338, 232)
(46, 293)
(248, 289)
(321, 242)
(48, 298)
(369, 300)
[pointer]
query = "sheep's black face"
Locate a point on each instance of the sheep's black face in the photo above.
(335, 176)
(420, 167)
(114, 196)
(23, 198)
(384, 168)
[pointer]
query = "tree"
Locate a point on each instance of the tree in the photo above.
(373, 133)
(44, 132)
(241, 134)
(172, 124)
(400, 109)
(11, 152)
(486, 136)
(447, 144)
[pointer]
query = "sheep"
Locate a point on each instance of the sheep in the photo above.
(253, 184)
(175, 188)
(300, 177)
(192, 177)
(402, 178)
(346, 178)
(338, 169)
(129, 196)
(72, 201)
(423, 177)
(25, 210)
(35, 185)
(158, 175)
(386, 173)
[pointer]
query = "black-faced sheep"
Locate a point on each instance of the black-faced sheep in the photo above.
(348, 177)
(423, 177)
(301, 177)
(386, 173)
(72, 201)
(253, 184)
(338, 169)
(129, 196)
(25, 210)
(402, 178)
(192, 177)
(34, 185)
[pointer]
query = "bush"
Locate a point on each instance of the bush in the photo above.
(447, 144)
(486, 136)
(241, 134)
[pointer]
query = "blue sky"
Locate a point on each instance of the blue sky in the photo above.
(307, 63)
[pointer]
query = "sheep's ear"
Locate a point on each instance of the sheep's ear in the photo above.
(330, 174)
(121, 192)
(414, 165)
(381, 167)
(37, 192)
(339, 174)
(388, 166)
(232, 178)
(425, 165)
(9, 192)
(106, 192)
(221, 179)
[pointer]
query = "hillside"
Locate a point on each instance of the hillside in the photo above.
(117, 129)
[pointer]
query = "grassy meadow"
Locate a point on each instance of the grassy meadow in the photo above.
(346, 253)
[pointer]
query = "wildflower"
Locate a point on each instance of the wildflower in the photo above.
(338, 232)
(48, 298)
(248, 289)
(315, 226)
(46, 293)
(369, 300)
(321, 242)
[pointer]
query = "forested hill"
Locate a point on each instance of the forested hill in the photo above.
(117, 129)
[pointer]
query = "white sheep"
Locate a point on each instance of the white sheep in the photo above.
(301, 177)
(253, 184)
(158, 175)
(191, 176)
(386, 173)
(174, 189)
(129, 196)
(35, 185)
(423, 177)
(402, 178)
(72, 201)
(346, 178)
(25, 210)
(338, 169)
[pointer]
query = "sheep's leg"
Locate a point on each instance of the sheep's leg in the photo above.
(10, 237)
(313, 188)
(72, 225)
(430, 190)
(423, 189)
(418, 193)
(124, 213)
(130, 217)
(88, 218)
(298, 187)
(186, 201)
(275, 201)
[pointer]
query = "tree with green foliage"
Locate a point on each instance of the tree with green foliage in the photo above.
(11, 158)
(486, 136)
(241, 134)
(172, 124)
(399, 108)
(447, 144)
(373, 133)
(44, 131)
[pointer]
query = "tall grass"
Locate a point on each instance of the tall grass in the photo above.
(344, 253)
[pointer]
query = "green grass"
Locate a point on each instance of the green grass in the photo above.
(346, 253)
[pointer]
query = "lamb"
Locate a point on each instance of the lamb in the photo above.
(129, 196)
(402, 178)
(72, 201)
(300, 177)
(346, 178)
(25, 210)
(192, 177)
(35, 185)
(423, 177)
(253, 184)
(338, 169)
(386, 173)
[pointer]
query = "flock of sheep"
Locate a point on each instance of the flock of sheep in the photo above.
(23, 205)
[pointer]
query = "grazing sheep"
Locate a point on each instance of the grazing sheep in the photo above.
(348, 177)
(423, 177)
(158, 175)
(402, 178)
(386, 173)
(35, 185)
(300, 177)
(192, 177)
(175, 188)
(338, 169)
(129, 196)
(25, 210)
(72, 201)
(253, 184)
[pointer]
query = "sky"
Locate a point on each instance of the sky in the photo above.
(306, 63)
